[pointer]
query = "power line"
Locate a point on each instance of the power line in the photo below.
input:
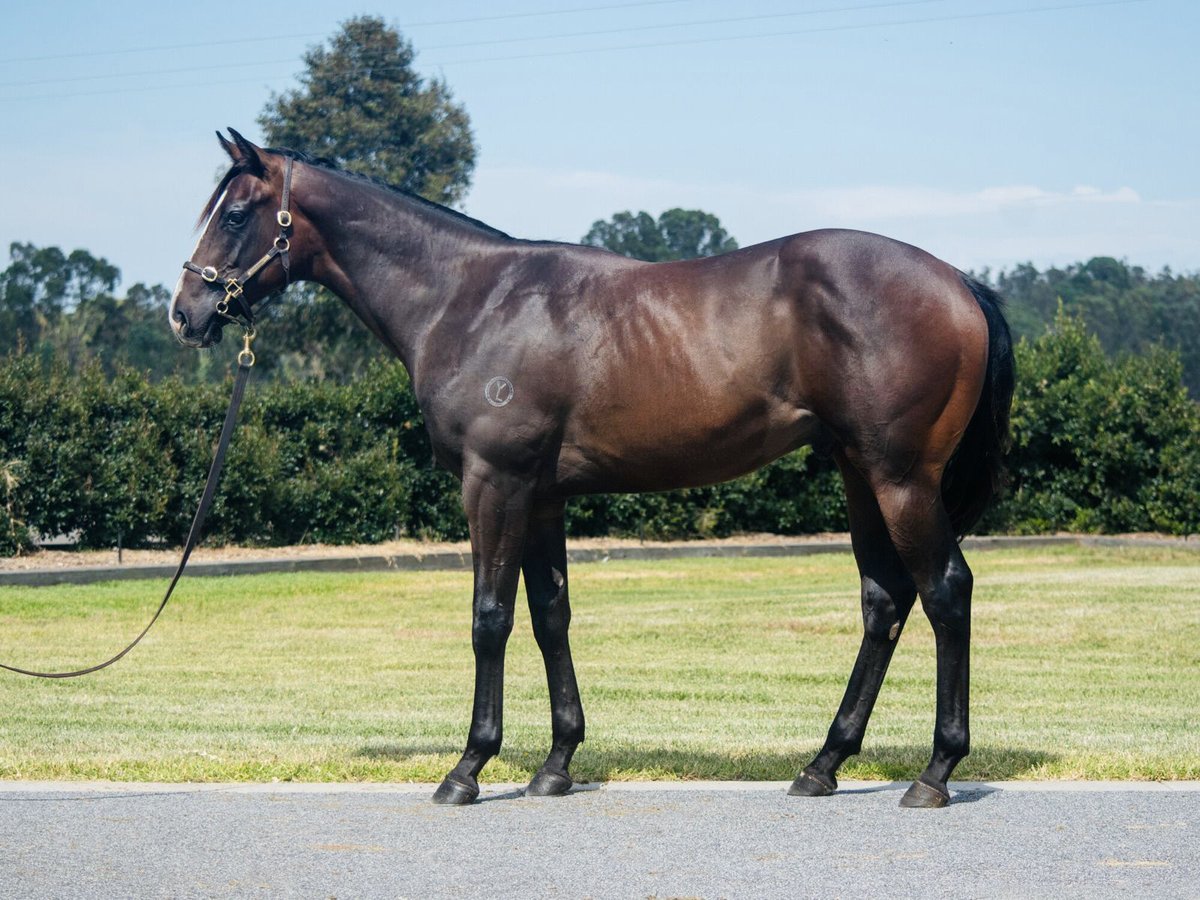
(291, 60)
(223, 43)
(549, 12)
(683, 42)
(548, 37)
(772, 34)
(138, 90)
(310, 34)
(693, 23)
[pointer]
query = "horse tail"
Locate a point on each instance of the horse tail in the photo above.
(976, 471)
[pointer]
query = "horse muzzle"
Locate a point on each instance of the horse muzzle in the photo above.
(193, 335)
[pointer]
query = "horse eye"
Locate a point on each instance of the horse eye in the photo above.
(235, 218)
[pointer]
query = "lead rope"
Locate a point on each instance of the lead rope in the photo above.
(245, 360)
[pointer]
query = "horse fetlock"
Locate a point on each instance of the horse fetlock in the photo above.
(567, 726)
(951, 743)
(482, 745)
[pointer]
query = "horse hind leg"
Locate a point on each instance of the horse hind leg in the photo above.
(888, 595)
(924, 538)
(545, 571)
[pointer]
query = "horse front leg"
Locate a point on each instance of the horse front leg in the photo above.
(545, 568)
(497, 507)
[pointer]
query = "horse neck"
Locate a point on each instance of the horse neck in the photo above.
(395, 261)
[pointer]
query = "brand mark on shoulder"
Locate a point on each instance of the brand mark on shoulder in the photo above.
(498, 391)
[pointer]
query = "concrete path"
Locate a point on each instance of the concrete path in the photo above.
(294, 560)
(620, 840)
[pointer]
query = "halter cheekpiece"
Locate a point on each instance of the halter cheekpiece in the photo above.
(234, 286)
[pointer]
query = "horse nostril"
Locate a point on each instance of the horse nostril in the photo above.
(181, 317)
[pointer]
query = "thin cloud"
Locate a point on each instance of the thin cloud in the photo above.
(993, 226)
(882, 202)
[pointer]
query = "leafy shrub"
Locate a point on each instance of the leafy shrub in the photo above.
(1100, 445)
(800, 493)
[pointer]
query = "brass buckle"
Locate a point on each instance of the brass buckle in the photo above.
(209, 274)
(284, 218)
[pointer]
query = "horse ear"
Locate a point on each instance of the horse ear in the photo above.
(228, 147)
(246, 153)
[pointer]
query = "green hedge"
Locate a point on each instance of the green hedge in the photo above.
(1098, 446)
(127, 459)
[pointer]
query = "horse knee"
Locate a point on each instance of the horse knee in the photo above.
(947, 602)
(493, 623)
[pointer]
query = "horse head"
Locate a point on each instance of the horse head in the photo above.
(244, 253)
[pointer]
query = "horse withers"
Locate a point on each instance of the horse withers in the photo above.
(548, 370)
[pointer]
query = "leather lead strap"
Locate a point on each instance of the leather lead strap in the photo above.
(210, 490)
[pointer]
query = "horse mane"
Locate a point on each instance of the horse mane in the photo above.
(321, 162)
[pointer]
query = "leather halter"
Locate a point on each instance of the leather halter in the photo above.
(234, 286)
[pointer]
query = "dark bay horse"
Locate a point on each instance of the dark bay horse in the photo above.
(548, 370)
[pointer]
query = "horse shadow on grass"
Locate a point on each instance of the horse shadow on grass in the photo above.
(893, 766)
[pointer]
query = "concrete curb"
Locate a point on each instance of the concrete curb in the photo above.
(111, 788)
(451, 560)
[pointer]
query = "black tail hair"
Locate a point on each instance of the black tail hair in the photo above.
(975, 474)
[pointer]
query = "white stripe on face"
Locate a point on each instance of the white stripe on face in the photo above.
(179, 284)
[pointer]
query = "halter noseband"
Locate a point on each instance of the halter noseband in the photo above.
(234, 286)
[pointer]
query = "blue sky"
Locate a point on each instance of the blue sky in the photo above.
(989, 132)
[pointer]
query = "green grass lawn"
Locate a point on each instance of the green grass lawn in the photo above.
(1086, 664)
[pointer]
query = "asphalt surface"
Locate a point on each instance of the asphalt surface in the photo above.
(620, 841)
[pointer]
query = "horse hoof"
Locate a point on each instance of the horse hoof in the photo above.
(549, 784)
(812, 784)
(923, 795)
(453, 792)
